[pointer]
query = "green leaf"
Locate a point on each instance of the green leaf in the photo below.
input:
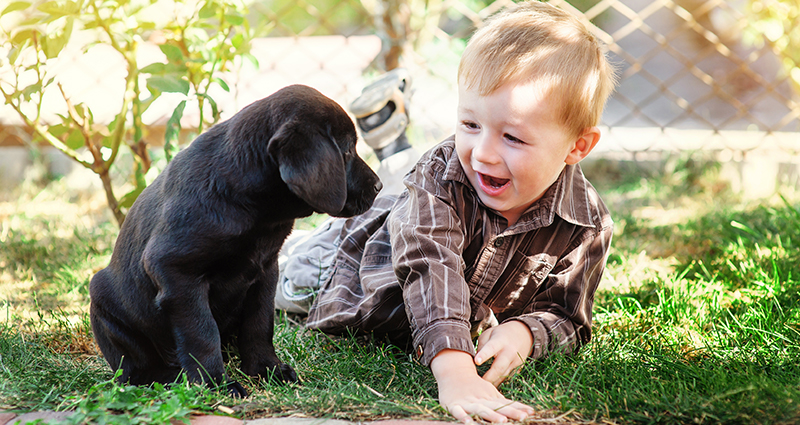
(55, 9)
(234, 19)
(250, 57)
(107, 141)
(52, 46)
(113, 124)
(159, 68)
(84, 112)
(168, 84)
(14, 6)
(27, 92)
(23, 36)
(214, 108)
(173, 52)
(72, 7)
(212, 103)
(208, 10)
(126, 202)
(222, 84)
(153, 68)
(144, 104)
(35, 19)
(13, 54)
(173, 131)
(58, 129)
(51, 7)
(237, 41)
(75, 139)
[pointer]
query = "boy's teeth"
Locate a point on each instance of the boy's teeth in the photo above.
(494, 182)
(497, 182)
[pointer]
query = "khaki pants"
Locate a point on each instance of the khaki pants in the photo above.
(304, 264)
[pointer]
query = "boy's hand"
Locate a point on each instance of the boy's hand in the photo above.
(509, 344)
(464, 393)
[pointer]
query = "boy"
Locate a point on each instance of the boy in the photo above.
(497, 233)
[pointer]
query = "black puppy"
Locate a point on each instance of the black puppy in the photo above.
(196, 261)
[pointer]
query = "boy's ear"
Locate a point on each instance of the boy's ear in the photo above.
(583, 145)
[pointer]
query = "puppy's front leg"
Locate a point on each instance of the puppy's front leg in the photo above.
(197, 337)
(256, 347)
(182, 301)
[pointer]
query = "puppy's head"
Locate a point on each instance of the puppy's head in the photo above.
(314, 147)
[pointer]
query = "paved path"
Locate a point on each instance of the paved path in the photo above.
(8, 418)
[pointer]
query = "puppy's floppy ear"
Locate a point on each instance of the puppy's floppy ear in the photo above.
(311, 165)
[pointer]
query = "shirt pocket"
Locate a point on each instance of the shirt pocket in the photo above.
(520, 282)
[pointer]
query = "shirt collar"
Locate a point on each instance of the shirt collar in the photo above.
(453, 170)
(572, 197)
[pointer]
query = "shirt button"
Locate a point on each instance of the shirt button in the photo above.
(498, 242)
(420, 352)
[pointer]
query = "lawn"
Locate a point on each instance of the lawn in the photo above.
(697, 320)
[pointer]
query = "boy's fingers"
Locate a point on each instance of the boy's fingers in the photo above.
(502, 368)
(516, 411)
(461, 415)
(492, 415)
(502, 411)
(484, 338)
(499, 371)
(464, 414)
(494, 376)
(485, 352)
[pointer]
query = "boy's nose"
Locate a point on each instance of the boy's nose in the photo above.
(485, 151)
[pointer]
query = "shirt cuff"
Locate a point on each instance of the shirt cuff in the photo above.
(441, 335)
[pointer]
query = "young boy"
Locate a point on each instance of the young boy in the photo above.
(497, 234)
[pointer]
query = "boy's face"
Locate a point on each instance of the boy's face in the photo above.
(511, 145)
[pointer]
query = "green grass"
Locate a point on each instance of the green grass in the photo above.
(697, 320)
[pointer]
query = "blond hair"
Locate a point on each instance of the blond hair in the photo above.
(535, 41)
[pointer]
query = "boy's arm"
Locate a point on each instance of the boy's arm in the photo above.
(560, 315)
(427, 239)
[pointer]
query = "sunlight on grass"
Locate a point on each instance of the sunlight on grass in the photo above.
(52, 245)
(696, 320)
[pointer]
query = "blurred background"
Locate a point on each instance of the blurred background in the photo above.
(99, 89)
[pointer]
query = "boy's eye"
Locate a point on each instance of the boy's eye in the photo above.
(470, 125)
(513, 139)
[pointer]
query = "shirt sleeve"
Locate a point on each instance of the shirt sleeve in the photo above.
(560, 315)
(427, 242)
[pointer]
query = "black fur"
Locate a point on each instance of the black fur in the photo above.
(196, 261)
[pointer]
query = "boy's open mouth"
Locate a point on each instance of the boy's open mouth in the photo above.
(493, 182)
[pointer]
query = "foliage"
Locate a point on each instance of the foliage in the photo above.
(286, 18)
(200, 40)
(777, 22)
(110, 402)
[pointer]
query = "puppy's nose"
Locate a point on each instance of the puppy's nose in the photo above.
(378, 186)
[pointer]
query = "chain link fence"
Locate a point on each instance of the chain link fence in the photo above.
(690, 77)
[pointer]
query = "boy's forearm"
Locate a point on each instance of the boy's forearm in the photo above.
(449, 364)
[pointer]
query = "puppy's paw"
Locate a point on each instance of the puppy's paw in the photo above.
(236, 390)
(282, 374)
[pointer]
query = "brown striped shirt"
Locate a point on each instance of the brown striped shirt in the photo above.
(436, 261)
